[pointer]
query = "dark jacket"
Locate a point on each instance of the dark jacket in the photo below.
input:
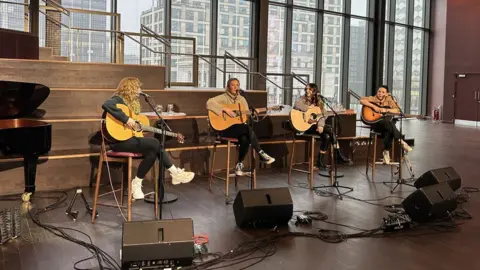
(110, 106)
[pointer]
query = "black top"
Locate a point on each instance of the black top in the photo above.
(110, 106)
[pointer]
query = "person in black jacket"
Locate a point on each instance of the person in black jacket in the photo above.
(127, 94)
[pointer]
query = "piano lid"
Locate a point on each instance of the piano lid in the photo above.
(21, 99)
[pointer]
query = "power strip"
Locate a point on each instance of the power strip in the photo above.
(396, 222)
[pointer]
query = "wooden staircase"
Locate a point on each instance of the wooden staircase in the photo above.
(46, 53)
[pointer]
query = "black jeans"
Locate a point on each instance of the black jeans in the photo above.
(326, 136)
(245, 136)
(150, 149)
(389, 132)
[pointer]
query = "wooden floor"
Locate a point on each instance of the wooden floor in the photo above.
(437, 145)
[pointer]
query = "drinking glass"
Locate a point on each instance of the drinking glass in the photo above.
(170, 108)
(159, 108)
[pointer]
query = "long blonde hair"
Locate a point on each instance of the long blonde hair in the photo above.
(128, 90)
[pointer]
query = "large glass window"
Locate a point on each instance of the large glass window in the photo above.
(418, 13)
(399, 53)
(305, 3)
(401, 11)
(357, 60)
(334, 5)
(332, 57)
(190, 19)
(417, 72)
(234, 26)
(359, 7)
(275, 53)
(303, 48)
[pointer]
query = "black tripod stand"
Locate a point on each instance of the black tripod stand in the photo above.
(403, 156)
(158, 197)
(333, 166)
(251, 121)
(74, 214)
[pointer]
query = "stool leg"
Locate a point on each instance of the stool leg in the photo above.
(97, 186)
(122, 190)
(236, 158)
(368, 154)
(311, 161)
(254, 163)
(129, 203)
(290, 167)
(227, 179)
(212, 167)
(374, 163)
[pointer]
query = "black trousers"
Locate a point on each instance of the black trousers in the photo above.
(326, 136)
(245, 136)
(150, 149)
(389, 132)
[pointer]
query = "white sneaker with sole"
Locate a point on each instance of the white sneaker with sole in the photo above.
(266, 158)
(181, 176)
(386, 157)
(239, 169)
(137, 192)
(405, 146)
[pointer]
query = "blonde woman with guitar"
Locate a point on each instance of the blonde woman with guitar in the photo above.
(311, 101)
(127, 95)
(383, 103)
(231, 105)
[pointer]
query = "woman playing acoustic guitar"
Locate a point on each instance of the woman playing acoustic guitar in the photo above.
(310, 100)
(127, 94)
(383, 103)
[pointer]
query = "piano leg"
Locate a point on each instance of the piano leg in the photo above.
(30, 171)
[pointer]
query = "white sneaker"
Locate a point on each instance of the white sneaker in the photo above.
(265, 158)
(405, 146)
(239, 169)
(386, 157)
(137, 192)
(181, 176)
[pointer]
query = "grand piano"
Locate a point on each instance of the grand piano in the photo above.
(20, 134)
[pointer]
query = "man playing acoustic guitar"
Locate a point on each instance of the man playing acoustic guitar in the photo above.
(383, 103)
(242, 132)
(127, 94)
(310, 100)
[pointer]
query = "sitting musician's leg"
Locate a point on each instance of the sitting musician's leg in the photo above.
(394, 133)
(150, 150)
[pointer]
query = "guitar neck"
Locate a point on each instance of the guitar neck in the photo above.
(159, 131)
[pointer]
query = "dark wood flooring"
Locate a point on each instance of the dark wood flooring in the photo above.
(436, 145)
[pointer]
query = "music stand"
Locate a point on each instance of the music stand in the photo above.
(401, 180)
(166, 197)
(333, 166)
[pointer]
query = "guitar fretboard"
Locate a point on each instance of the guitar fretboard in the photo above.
(159, 131)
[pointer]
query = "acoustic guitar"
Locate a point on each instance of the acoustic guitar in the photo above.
(369, 116)
(115, 131)
(302, 121)
(223, 121)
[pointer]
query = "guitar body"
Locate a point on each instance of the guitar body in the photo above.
(369, 116)
(224, 121)
(299, 119)
(115, 131)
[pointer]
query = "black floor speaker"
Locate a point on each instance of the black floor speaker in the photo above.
(431, 202)
(157, 244)
(441, 175)
(263, 208)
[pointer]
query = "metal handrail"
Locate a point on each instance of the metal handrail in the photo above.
(298, 78)
(48, 17)
(155, 35)
(13, 3)
(57, 6)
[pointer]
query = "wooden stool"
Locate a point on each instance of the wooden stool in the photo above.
(229, 142)
(372, 161)
(310, 161)
(125, 158)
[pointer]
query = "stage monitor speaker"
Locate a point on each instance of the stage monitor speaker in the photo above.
(267, 207)
(157, 244)
(438, 176)
(431, 202)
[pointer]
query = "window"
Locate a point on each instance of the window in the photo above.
(332, 61)
(401, 11)
(305, 3)
(357, 60)
(334, 5)
(399, 51)
(417, 68)
(418, 13)
(359, 7)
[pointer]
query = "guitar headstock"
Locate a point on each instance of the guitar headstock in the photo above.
(180, 138)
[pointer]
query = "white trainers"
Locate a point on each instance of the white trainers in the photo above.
(405, 146)
(239, 169)
(386, 157)
(265, 158)
(181, 176)
(137, 192)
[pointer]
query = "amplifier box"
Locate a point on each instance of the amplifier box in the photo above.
(157, 244)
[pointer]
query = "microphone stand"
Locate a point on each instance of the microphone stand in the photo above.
(401, 180)
(164, 197)
(252, 113)
(333, 171)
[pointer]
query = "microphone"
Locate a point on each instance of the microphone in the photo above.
(322, 97)
(143, 94)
